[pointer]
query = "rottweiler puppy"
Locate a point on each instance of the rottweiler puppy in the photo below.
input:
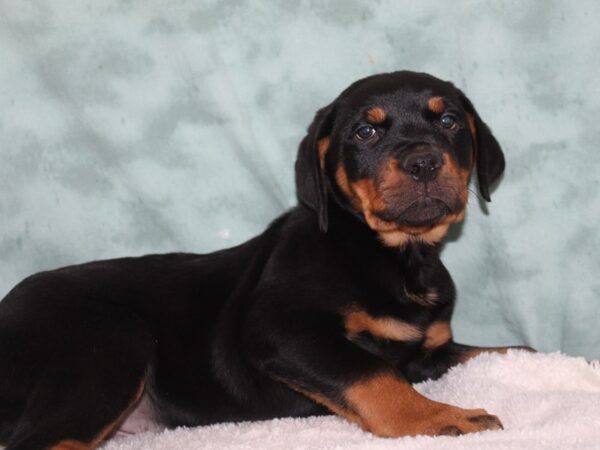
(337, 307)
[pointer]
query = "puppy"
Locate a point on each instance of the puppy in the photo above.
(337, 307)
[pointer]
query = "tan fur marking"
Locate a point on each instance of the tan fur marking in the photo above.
(390, 407)
(436, 233)
(394, 238)
(371, 201)
(436, 105)
(428, 299)
(428, 235)
(365, 195)
(451, 170)
(341, 177)
(71, 444)
(322, 146)
(437, 334)
(376, 115)
(381, 327)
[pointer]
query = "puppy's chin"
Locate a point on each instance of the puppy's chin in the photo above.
(423, 212)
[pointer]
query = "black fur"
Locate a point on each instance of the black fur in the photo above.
(238, 334)
(490, 159)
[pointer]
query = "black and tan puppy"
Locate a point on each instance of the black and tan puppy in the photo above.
(337, 307)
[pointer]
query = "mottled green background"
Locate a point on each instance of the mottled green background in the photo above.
(151, 126)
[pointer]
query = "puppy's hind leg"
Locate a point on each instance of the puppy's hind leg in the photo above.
(86, 387)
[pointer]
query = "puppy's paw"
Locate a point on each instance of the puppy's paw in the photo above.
(460, 421)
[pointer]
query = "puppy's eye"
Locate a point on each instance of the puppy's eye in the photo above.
(448, 121)
(365, 132)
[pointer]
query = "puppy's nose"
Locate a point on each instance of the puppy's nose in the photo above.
(422, 165)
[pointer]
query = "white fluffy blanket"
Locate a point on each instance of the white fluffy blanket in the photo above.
(545, 401)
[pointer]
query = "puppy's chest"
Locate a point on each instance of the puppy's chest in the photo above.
(406, 314)
(396, 337)
(403, 323)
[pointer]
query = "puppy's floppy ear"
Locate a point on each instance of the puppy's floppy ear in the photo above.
(489, 156)
(311, 187)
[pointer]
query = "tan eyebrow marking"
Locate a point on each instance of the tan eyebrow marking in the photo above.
(436, 104)
(376, 115)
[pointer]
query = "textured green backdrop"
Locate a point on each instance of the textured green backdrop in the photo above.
(152, 126)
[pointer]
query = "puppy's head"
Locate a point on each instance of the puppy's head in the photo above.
(397, 150)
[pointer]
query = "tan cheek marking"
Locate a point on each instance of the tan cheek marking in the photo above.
(341, 178)
(71, 444)
(322, 146)
(365, 198)
(437, 334)
(436, 105)
(451, 171)
(376, 115)
(369, 201)
(382, 327)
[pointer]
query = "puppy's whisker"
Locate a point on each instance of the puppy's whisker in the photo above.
(476, 194)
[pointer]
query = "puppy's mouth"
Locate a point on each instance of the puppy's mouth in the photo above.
(422, 212)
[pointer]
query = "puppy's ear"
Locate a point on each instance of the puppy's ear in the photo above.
(488, 154)
(311, 187)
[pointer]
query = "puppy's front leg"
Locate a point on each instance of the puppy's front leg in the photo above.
(433, 362)
(322, 364)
